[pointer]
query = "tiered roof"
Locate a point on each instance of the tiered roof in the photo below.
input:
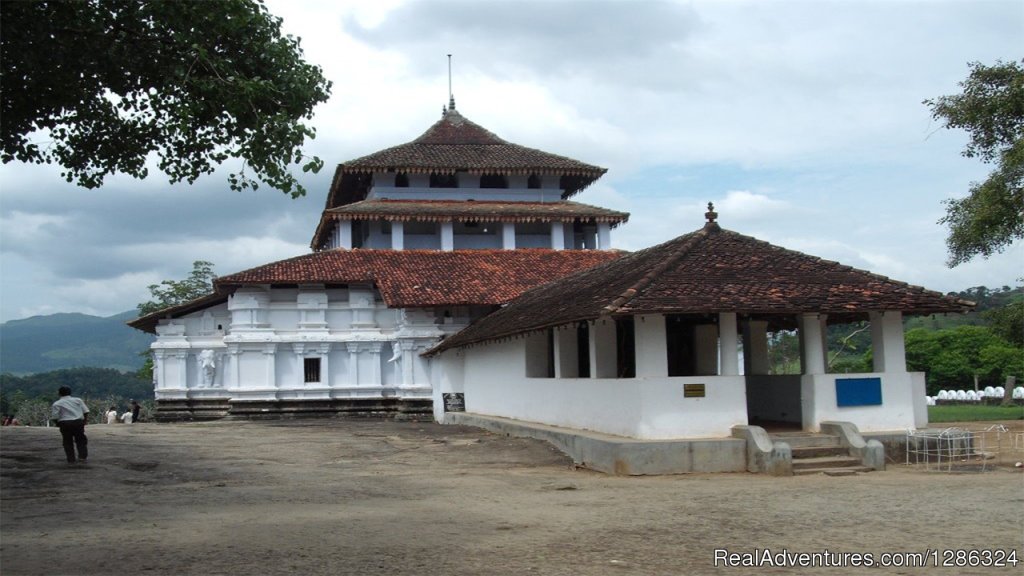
(708, 271)
(468, 211)
(408, 278)
(454, 144)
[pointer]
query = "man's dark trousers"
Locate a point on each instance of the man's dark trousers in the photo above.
(73, 433)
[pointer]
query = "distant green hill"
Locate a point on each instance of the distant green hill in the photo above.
(69, 340)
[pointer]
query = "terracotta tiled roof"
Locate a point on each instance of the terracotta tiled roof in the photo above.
(148, 322)
(452, 144)
(408, 278)
(708, 271)
(474, 211)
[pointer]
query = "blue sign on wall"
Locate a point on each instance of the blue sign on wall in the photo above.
(858, 392)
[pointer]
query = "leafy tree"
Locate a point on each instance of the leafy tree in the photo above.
(173, 292)
(1008, 322)
(952, 358)
(108, 82)
(991, 109)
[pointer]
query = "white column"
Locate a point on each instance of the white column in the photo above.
(298, 352)
(755, 347)
(397, 235)
(270, 354)
(182, 358)
(508, 235)
(877, 341)
(604, 236)
(375, 348)
(603, 360)
(557, 236)
(158, 368)
(447, 236)
(567, 363)
(651, 348)
(894, 353)
(325, 369)
(345, 234)
(811, 347)
(728, 339)
(353, 363)
(408, 357)
(236, 378)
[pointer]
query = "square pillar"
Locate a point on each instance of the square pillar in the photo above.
(508, 235)
(604, 236)
(447, 236)
(887, 344)
(651, 346)
(728, 339)
(397, 235)
(812, 355)
(603, 360)
(557, 236)
(755, 347)
(344, 234)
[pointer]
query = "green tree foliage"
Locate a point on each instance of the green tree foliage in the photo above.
(84, 382)
(105, 83)
(952, 358)
(173, 292)
(991, 110)
(1008, 322)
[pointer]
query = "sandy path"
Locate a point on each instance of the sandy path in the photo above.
(372, 497)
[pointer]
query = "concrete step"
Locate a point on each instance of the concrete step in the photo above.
(824, 462)
(844, 471)
(804, 439)
(816, 451)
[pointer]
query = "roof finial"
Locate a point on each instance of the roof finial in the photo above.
(711, 214)
(451, 97)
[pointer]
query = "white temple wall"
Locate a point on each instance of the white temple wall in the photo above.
(648, 408)
(259, 353)
(897, 411)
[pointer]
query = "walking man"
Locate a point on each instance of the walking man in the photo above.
(71, 415)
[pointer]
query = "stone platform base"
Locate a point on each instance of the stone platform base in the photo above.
(198, 410)
(621, 455)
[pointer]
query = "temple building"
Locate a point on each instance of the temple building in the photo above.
(415, 242)
(454, 276)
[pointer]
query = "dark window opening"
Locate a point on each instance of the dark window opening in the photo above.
(311, 369)
(583, 350)
(444, 181)
(359, 233)
(533, 181)
(401, 180)
(551, 353)
(493, 181)
(625, 347)
(681, 342)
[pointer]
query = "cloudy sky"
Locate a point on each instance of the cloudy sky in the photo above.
(801, 120)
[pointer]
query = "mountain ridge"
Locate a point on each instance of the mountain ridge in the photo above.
(50, 342)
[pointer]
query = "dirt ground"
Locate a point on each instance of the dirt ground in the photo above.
(381, 497)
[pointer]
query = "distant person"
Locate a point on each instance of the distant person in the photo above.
(71, 415)
(135, 411)
(112, 415)
(126, 417)
(7, 420)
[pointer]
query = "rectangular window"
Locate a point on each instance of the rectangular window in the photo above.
(311, 369)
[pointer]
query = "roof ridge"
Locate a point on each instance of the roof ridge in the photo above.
(682, 250)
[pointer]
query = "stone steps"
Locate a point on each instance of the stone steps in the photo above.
(819, 454)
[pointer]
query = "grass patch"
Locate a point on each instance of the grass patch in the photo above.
(973, 412)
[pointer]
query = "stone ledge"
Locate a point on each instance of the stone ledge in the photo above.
(620, 455)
